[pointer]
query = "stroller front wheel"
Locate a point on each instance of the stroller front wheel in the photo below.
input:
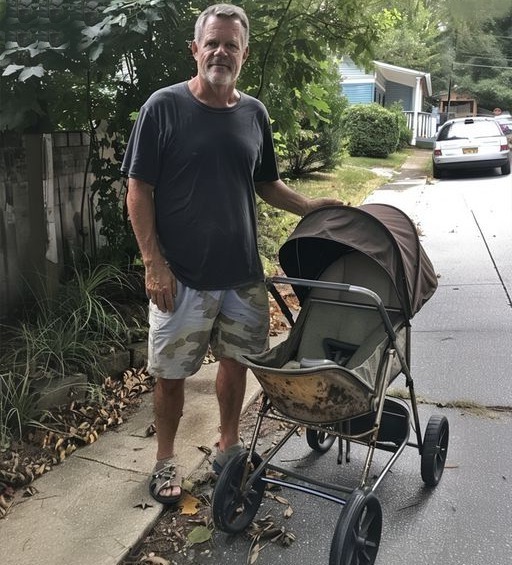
(320, 442)
(435, 450)
(233, 505)
(357, 535)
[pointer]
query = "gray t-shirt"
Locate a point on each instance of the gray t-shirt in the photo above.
(203, 162)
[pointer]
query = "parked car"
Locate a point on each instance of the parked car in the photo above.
(470, 143)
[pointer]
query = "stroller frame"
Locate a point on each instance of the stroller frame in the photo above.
(382, 423)
(345, 434)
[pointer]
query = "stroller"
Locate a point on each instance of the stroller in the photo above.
(360, 274)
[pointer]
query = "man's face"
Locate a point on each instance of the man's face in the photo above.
(220, 52)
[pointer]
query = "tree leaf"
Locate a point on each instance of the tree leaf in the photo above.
(199, 534)
(29, 72)
(11, 69)
(96, 51)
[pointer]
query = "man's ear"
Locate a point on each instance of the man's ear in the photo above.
(246, 53)
(193, 48)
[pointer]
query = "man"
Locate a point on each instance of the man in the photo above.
(199, 152)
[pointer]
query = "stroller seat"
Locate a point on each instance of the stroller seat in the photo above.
(327, 369)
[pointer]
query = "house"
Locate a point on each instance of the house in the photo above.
(456, 104)
(387, 84)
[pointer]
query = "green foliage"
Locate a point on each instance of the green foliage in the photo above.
(371, 130)
(69, 333)
(274, 227)
(78, 65)
(412, 38)
(316, 143)
(17, 406)
(404, 133)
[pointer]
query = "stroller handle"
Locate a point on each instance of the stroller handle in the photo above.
(343, 287)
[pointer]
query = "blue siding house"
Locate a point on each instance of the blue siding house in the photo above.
(388, 84)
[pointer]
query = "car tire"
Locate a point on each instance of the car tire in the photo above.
(505, 170)
(436, 171)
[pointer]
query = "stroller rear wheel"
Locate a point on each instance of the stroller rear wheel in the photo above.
(357, 536)
(435, 450)
(319, 441)
(233, 506)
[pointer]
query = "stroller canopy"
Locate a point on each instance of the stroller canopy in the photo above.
(382, 232)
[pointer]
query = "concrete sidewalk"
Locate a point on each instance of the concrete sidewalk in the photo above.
(95, 506)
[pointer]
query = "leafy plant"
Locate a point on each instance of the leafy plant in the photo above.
(70, 332)
(17, 406)
(315, 144)
(274, 226)
(404, 133)
(371, 130)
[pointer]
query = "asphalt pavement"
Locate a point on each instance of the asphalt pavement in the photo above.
(94, 507)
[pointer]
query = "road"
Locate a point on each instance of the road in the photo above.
(461, 364)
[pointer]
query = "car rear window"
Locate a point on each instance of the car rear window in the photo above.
(470, 129)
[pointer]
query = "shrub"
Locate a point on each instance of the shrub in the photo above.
(59, 336)
(372, 130)
(404, 133)
(274, 227)
(69, 332)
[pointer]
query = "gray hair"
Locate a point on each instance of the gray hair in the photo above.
(223, 11)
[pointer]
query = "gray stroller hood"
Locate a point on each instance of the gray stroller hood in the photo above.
(382, 232)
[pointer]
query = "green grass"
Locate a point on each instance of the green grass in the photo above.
(352, 181)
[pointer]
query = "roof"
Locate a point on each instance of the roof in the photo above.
(402, 75)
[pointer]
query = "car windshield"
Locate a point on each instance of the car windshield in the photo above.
(470, 129)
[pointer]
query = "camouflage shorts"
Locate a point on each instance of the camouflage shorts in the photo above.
(233, 322)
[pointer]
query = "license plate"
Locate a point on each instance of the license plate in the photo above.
(468, 150)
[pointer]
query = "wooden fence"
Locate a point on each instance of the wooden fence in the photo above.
(44, 211)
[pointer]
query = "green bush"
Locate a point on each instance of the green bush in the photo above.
(371, 130)
(404, 133)
(274, 226)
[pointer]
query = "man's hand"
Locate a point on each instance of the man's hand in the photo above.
(278, 194)
(315, 203)
(161, 286)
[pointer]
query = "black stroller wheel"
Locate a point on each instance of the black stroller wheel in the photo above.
(233, 509)
(435, 450)
(319, 441)
(357, 536)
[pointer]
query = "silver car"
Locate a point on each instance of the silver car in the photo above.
(470, 143)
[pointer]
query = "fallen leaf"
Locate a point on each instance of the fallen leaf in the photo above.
(255, 553)
(189, 505)
(199, 534)
(143, 505)
(30, 491)
(288, 512)
(155, 560)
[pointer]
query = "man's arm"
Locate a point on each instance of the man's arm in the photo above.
(160, 281)
(278, 194)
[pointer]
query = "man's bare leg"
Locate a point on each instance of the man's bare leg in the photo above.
(169, 396)
(230, 385)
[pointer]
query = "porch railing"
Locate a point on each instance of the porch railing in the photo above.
(425, 124)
